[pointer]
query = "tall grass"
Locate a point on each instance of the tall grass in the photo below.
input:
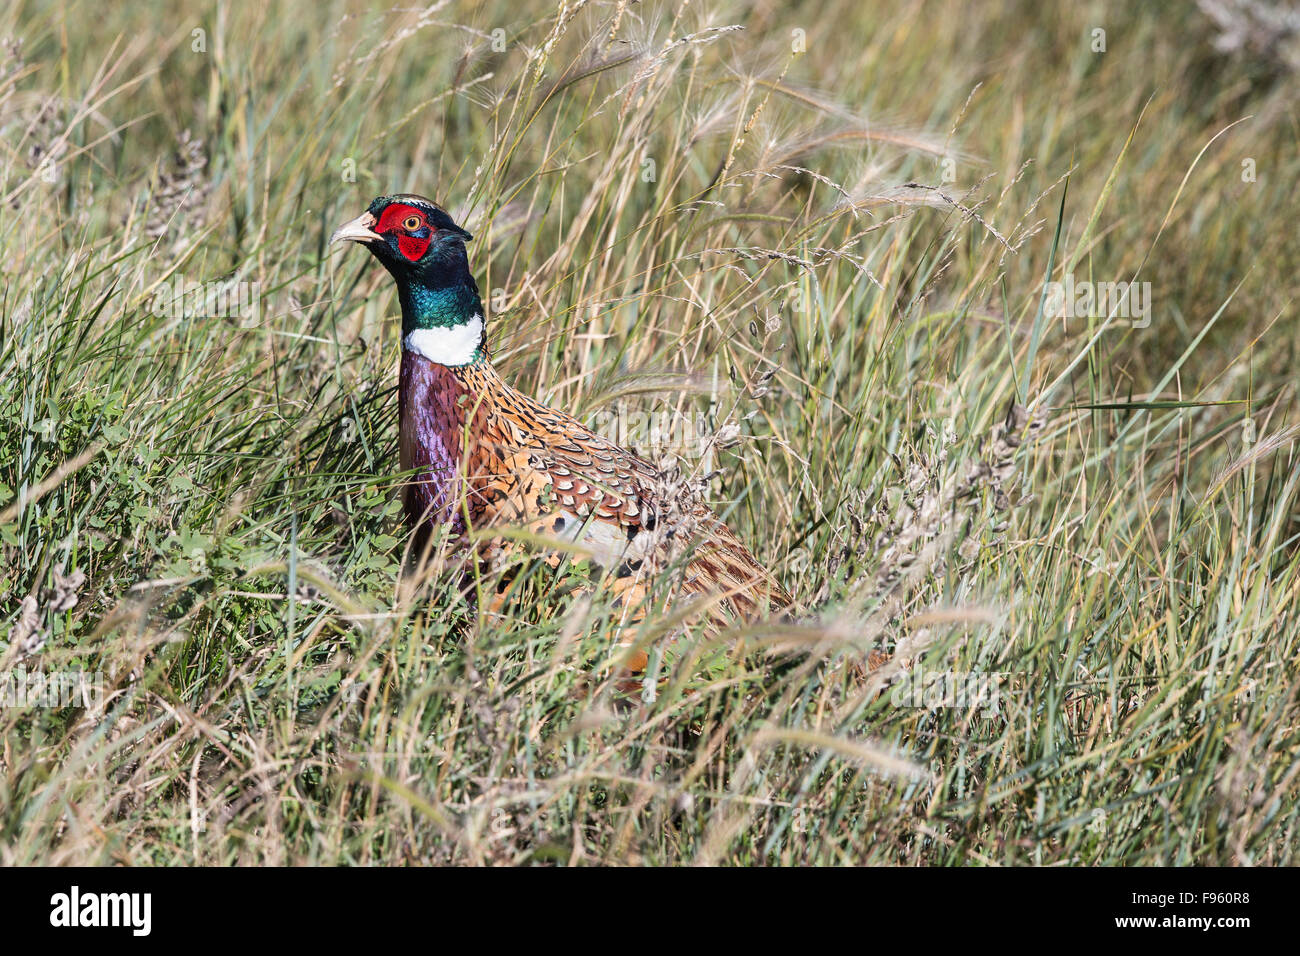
(822, 233)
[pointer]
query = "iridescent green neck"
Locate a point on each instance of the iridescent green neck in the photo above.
(445, 324)
(442, 308)
(442, 315)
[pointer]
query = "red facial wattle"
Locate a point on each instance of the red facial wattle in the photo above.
(393, 222)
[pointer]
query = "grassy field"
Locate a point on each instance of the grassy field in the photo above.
(813, 241)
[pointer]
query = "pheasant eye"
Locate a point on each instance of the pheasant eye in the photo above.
(411, 223)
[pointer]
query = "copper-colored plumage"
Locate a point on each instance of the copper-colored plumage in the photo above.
(489, 456)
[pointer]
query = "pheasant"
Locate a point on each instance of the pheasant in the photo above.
(484, 455)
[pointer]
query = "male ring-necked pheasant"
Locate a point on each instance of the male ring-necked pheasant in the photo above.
(486, 455)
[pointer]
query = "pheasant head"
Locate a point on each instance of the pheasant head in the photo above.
(424, 250)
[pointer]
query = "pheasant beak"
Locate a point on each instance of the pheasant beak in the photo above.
(358, 230)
